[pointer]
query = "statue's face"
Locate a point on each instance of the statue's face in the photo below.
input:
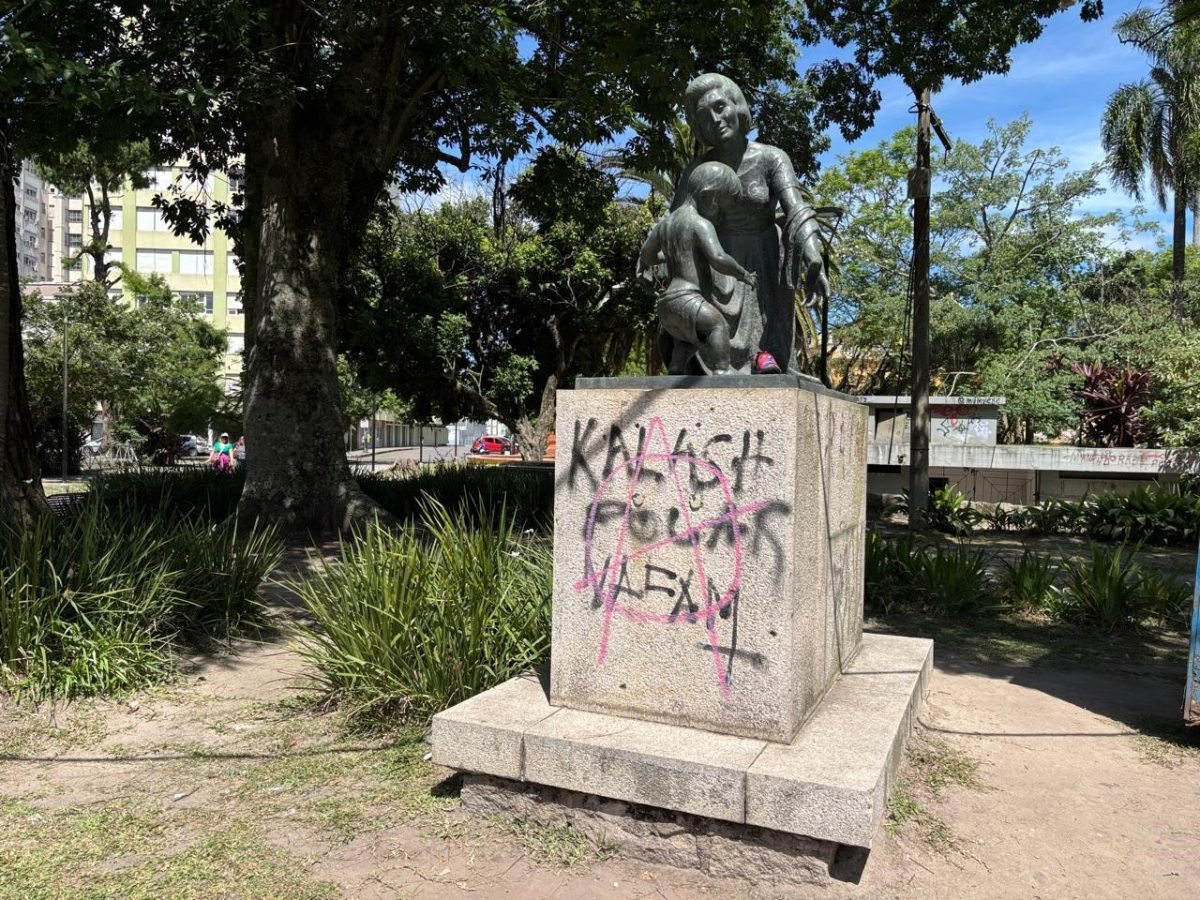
(716, 117)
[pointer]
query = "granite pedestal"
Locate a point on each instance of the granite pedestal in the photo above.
(707, 651)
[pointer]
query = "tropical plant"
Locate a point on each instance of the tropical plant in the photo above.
(949, 511)
(1151, 129)
(1102, 590)
(1028, 583)
(410, 622)
(1167, 599)
(1113, 400)
(953, 580)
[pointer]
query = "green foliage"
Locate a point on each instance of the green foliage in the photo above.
(1024, 283)
(528, 494)
(1106, 589)
(908, 571)
(410, 623)
(952, 580)
(1102, 590)
(99, 601)
(1029, 583)
(81, 169)
(480, 315)
(949, 511)
(1175, 412)
(1168, 599)
(929, 42)
(191, 495)
(151, 368)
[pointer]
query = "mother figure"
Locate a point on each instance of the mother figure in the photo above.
(786, 259)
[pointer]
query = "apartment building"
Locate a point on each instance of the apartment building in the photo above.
(140, 238)
(39, 225)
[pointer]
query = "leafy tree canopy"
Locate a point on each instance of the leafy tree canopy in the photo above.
(149, 368)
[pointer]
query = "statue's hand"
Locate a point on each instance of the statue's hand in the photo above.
(750, 278)
(802, 249)
(816, 286)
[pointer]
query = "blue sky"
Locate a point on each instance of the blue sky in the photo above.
(1063, 81)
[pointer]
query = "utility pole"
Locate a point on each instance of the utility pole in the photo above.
(66, 443)
(920, 187)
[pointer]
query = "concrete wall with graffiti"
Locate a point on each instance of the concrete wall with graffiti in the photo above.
(708, 553)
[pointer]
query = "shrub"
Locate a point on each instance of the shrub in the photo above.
(1167, 599)
(1029, 582)
(1000, 519)
(1102, 590)
(96, 602)
(528, 493)
(193, 493)
(415, 621)
(950, 512)
(953, 580)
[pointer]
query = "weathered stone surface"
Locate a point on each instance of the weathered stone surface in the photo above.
(642, 762)
(485, 733)
(887, 662)
(658, 836)
(708, 552)
(832, 781)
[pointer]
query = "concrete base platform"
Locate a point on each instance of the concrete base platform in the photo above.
(653, 835)
(829, 784)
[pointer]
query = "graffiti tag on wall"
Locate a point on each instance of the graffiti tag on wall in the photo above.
(668, 533)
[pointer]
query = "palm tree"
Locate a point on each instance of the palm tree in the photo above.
(1151, 129)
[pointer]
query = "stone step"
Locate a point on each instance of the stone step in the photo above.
(831, 782)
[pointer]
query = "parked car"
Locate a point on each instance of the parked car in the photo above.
(492, 444)
(192, 445)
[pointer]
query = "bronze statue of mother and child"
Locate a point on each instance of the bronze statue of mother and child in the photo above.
(734, 271)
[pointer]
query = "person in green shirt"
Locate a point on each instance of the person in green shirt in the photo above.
(222, 453)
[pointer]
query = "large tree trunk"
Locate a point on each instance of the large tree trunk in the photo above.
(1178, 248)
(21, 496)
(297, 474)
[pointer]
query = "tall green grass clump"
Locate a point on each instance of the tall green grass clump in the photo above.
(953, 580)
(1030, 582)
(414, 621)
(1102, 590)
(98, 602)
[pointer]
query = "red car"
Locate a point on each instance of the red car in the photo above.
(491, 444)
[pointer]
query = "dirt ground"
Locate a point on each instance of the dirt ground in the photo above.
(1044, 766)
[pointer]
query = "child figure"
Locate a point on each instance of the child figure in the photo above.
(688, 242)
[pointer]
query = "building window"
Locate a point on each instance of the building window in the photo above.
(192, 262)
(237, 343)
(31, 193)
(75, 216)
(151, 261)
(203, 298)
(233, 305)
(113, 255)
(150, 219)
(160, 179)
(74, 241)
(116, 221)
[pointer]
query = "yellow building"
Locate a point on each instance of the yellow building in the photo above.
(141, 239)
